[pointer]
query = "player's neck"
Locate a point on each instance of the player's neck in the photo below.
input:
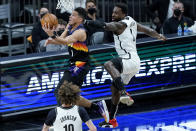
(75, 26)
(66, 105)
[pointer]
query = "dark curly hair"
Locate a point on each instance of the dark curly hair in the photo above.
(81, 12)
(123, 7)
(69, 93)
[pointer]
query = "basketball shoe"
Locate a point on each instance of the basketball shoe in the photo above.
(103, 110)
(111, 124)
(126, 98)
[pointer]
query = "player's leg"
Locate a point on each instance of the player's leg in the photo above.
(114, 68)
(113, 110)
(130, 68)
(99, 107)
(78, 77)
(66, 76)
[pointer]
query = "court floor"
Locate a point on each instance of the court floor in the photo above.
(168, 111)
(181, 118)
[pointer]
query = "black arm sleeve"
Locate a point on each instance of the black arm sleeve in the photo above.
(83, 114)
(95, 23)
(51, 117)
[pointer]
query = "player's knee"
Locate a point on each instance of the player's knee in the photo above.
(125, 82)
(108, 65)
(118, 84)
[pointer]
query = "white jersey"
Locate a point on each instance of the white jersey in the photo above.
(67, 120)
(125, 43)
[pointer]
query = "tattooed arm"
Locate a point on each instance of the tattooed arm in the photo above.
(150, 32)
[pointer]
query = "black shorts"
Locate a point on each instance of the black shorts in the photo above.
(117, 63)
(78, 78)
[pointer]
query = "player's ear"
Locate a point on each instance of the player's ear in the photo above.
(81, 20)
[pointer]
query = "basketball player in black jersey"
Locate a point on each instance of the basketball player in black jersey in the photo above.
(75, 38)
(68, 116)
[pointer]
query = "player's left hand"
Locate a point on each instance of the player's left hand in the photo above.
(48, 41)
(162, 37)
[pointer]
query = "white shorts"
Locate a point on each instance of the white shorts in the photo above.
(130, 67)
(127, 67)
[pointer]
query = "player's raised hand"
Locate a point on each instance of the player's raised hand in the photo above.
(162, 37)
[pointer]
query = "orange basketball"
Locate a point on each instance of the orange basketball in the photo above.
(49, 19)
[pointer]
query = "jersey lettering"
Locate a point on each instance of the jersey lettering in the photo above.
(69, 127)
(69, 117)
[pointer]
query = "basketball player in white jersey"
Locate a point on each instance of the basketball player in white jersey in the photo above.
(68, 117)
(124, 67)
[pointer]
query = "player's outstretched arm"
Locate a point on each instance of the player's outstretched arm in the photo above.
(79, 35)
(116, 27)
(150, 32)
(91, 126)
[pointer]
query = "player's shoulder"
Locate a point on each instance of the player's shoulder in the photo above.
(129, 21)
(129, 18)
(80, 108)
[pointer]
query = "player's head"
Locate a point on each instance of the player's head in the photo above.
(119, 12)
(91, 7)
(69, 93)
(78, 16)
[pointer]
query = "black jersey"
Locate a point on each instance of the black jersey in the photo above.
(78, 51)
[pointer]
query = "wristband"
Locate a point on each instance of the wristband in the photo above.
(53, 37)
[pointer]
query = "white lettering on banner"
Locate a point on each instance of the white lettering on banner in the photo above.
(161, 65)
(148, 67)
(47, 84)
(93, 74)
(190, 58)
(33, 85)
(177, 63)
(153, 67)
(166, 63)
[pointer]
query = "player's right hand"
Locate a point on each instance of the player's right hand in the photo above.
(162, 37)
